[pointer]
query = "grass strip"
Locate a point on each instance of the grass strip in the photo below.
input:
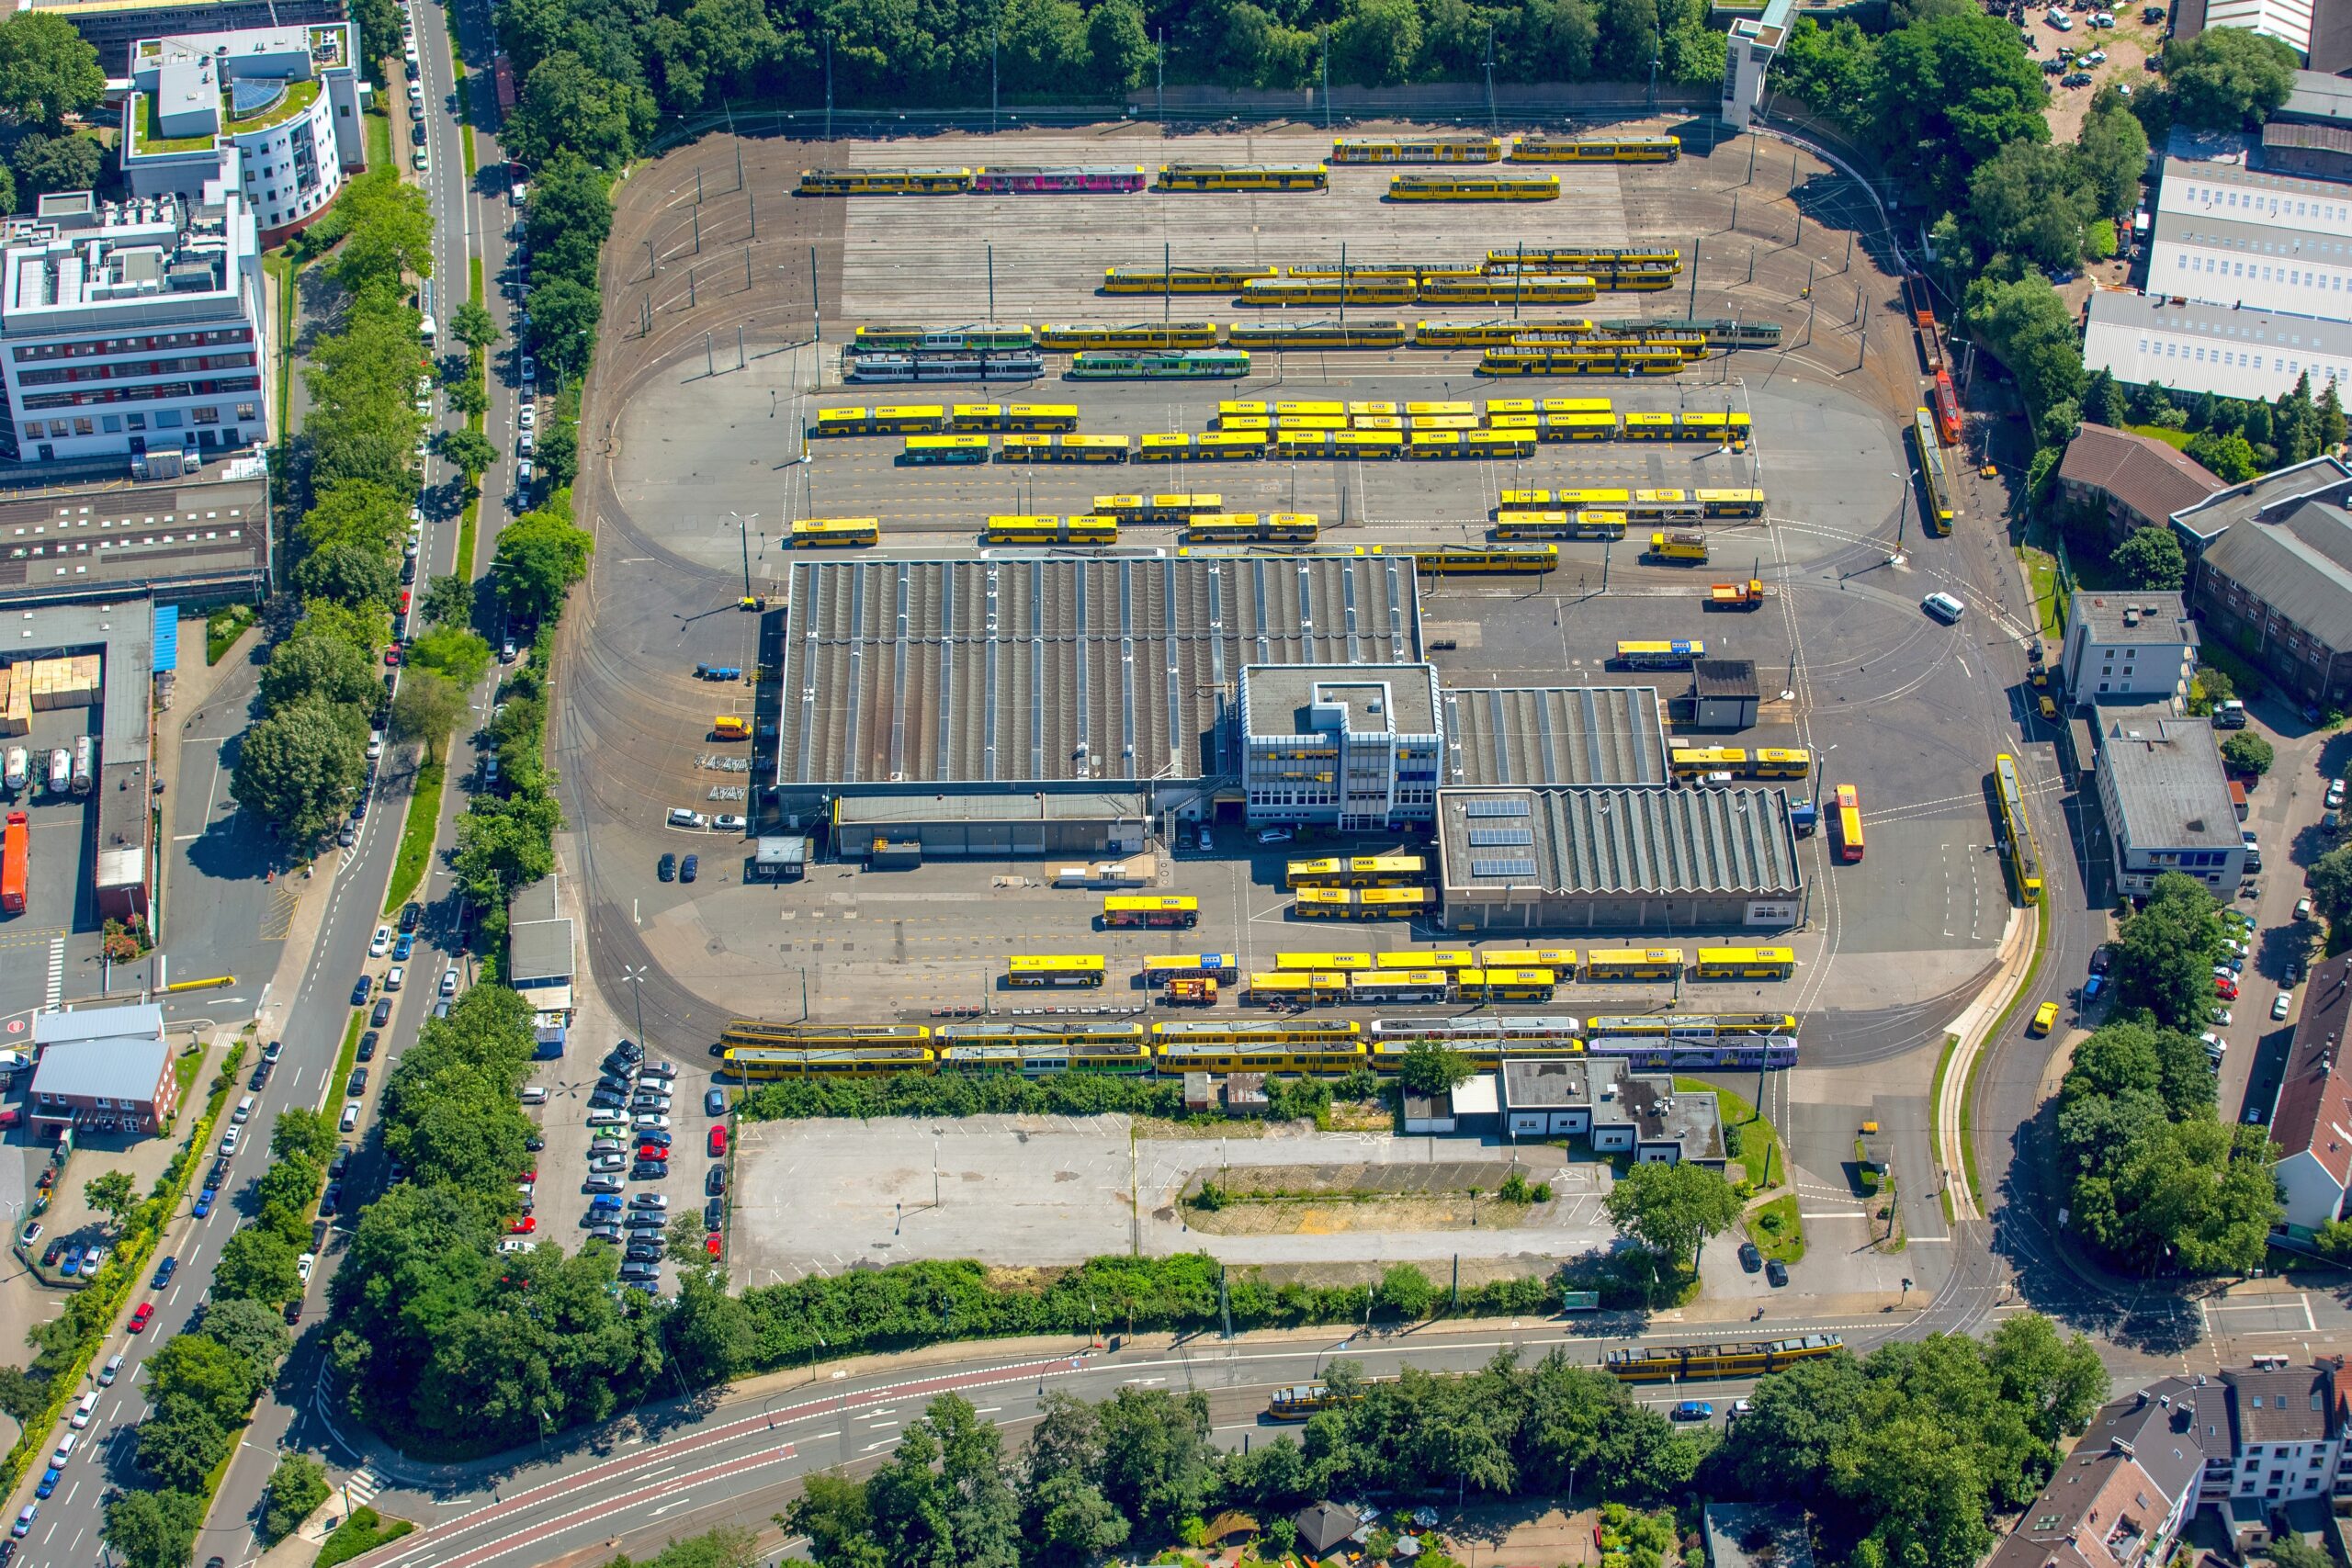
(1975, 1067)
(1936, 1100)
(1776, 1229)
(223, 627)
(363, 1532)
(349, 1057)
(1761, 1153)
(288, 273)
(380, 138)
(416, 836)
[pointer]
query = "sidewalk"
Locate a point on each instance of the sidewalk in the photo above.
(1974, 1026)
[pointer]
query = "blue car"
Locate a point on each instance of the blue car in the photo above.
(49, 1479)
(72, 1264)
(165, 1270)
(203, 1204)
(1694, 1410)
(403, 947)
(359, 990)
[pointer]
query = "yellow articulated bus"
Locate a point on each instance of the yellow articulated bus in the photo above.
(1151, 909)
(1290, 987)
(1417, 150)
(1378, 986)
(1243, 408)
(843, 422)
(1143, 334)
(1633, 964)
(1247, 527)
(1120, 509)
(1375, 422)
(1310, 424)
(1663, 506)
(1493, 985)
(1389, 903)
(1781, 762)
(1711, 426)
(1649, 427)
(1243, 176)
(1488, 334)
(1475, 188)
(1600, 427)
(821, 531)
(922, 450)
(1182, 280)
(1055, 969)
(898, 419)
(1744, 964)
(1674, 1363)
(1730, 503)
(1163, 447)
(1036, 417)
(1697, 761)
(1048, 529)
(1540, 149)
(1559, 526)
(1444, 959)
(1447, 559)
(1341, 961)
(1320, 903)
(1436, 445)
(1502, 445)
(882, 182)
(1560, 960)
(1229, 445)
(1358, 871)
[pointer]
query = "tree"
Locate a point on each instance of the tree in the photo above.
(251, 1332)
(154, 1529)
(2290, 1550)
(299, 1130)
(1122, 52)
(559, 452)
(48, 73)
(2151, 558)
(458, 655)
(258, 1265)
(540, 556)
(448, 601)
(46, 163)
(1375, 42)
(324, 670)
(2247, 753)
(2057, 1384)
(2029, 198)
(355, 574)
(111, 1193)
(2104, 400)
(563, 325)
(2231, 456)
(506, 843)
(471, 324)
(963, 1511)
(179, 1446)
(1430, 1068)
(2030, 330)
(299, 768)
(2166, 952)
(471, 451)
(682, 1240)
(1672, 1209)
(2195, 1197)
(2332, 422)
(833, 1512)
(296, 1489)
(2228, 78)
(1075, 1522)
(388, 234)
(1407, 1291)
(468, 396)
(2111, 153)
(354, 512)
(568, 104)
(2331, 885)
(1951, 92)
(425, 709)
(193, 1371)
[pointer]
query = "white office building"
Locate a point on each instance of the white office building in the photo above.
(275, 111)
(133, 330)
(1351, 747)
(2140, 338)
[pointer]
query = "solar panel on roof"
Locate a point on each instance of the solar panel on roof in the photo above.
(1494, 806)
(1502, 868)
(1497, 837)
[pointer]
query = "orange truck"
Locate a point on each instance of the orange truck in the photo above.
(16, 855)
(1192, 991)
(1744, 595)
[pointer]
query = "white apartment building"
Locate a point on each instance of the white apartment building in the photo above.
(132, 329)
(275, 111)
(2128, 645)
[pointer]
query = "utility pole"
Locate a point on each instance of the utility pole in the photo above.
(1160, 83)
(1694, 278)
(1494, 122)
(993, 98)
(829, 87)
(1326, 78)
(816, 316)
(744, 524)
(991, 283)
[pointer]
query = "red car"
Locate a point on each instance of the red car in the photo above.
(654, 1151)
(717, 1142)
(139, 1319)
(2226, 989)
(392, 656)
(523, 1226)
(531, 1175)
(710, 1243)
(404, 593)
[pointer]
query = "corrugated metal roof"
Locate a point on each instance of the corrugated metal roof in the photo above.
(1049, 669)
(2300, 566)
(1553, 735)
(1656, 840)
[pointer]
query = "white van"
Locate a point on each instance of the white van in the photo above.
(535, 1095)
(64, 1452)
(86, 1408)
(245, 1110)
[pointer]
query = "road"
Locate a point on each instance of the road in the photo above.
(69, 1524)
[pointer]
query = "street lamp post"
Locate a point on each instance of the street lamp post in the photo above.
(634, 976)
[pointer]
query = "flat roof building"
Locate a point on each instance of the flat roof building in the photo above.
(2132, 644)
(112, 25)
(1081, 826)
(134, 329)
(102, 1064)
(1621, 1111)
(1354, 748)
(2167, 800)
(199, 540)
(1553, 735)
(1597, 858)
(2258, 351)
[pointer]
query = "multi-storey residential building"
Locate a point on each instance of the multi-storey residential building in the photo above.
(2167, 800)
(2127, 646)
(2311, 1117)
(2286, 1435)
(275, 111)
(133, 329)
(1354, 747)
(2121, 1497)
(2136, 481)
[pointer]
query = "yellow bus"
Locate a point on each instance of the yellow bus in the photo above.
(977, 416)
(1244, 176)
(1048, 529)
(1633, 964)
(1491, 985)
(1389, 903)
(1696, 762)
(1247, 527)
(1160, 968)
(1578, 427)
(1417, 150)
(820, 531)
(1150, 909)
(1433, 444)
(1121, 508)
(1369, 443)
(1663, 506)
(1055, 969)
(1446, 408)
(1358, 871)
(1070, 337)
(1712, 426)
(1475, 188)
(1578, 405)
(1563, 960)
(1181, 506)
(1649, 427)
(1229, 445)
(1320, 903)
(1291, 986)
(904, 418)
(1300, 409)
(1182, 280)
(844, 422)
(1305, 423)
(1375, 985)
(929, 449)
(1446, 958)
(1614, 500)
(1375, 422)
(1371, 410)
(1782, 762)
(1502, 445)
(1559, 526)
(1163, 447)
(1730, 503)
(1249, 408)
(1744, 964)
(1078, 449)
(1322, 959)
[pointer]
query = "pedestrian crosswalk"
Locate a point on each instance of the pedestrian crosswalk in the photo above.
(362, 1486)
(56, 971)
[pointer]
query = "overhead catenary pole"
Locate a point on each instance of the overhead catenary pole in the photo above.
(816, 315)
(829, 87)
(1159, 81)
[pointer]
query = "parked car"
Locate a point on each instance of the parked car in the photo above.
(1944, 607)
(717, 1142)
(2282, 1005)
(1694, 1410)
(378, 943)
(1777, 1272)
(714, 1100)
(689, 868)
